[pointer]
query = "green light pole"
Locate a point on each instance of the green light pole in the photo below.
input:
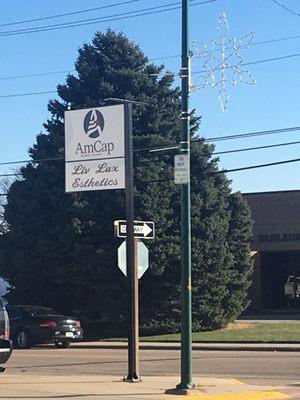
(186, 285)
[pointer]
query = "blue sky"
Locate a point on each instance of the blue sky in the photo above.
(271, 104)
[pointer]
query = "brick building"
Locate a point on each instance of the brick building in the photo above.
(275, 245)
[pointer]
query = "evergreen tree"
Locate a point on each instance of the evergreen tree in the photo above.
(60, 249)
(239, 236)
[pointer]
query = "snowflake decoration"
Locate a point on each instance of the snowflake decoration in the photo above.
(223, 62)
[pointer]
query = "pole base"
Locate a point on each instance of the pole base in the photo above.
(132, 378)
(186, 386)
(186, 390)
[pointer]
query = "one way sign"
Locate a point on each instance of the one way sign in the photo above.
(142, 229)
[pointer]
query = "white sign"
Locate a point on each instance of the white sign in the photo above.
(142, 229)
(181, 169)
(94, 149)
(143, 258)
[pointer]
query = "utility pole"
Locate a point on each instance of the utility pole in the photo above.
(186, 283)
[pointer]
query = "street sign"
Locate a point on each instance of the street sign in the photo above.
(95, 149)
(142, 229)
(181, 169)
(142, 258)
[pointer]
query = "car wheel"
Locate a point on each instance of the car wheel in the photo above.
(62, 345)
(22, 339)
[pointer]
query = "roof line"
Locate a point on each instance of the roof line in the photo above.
(272, 191)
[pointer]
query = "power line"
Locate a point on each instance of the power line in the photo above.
(225, 171)
(213, 173)
(172, 146)
(271, 59)
(258, 166)
(165, 57)
(32, 161)
(170, 57)
(250, 134)
(156, 148)
(27, 94)
(256, 62)
(286, 8)
(7, 175)
(132, 1)
(108, 18)
(226, 151)
(26, 21)
(283, 39)
(66, 71)
(152, 149)
(37, 74)
(40, 191)
(262, 42)
(83, 21)
(255, 148)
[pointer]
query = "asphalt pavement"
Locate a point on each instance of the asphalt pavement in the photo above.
(82, 372)
(196, 346)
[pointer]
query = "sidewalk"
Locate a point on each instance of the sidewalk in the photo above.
(90, 387)
(196, 346)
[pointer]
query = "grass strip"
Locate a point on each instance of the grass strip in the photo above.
(241, 333)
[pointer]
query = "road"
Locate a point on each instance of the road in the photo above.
(259, 368)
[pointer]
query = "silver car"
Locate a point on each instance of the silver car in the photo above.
(5, 343)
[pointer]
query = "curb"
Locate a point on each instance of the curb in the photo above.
(202, 347)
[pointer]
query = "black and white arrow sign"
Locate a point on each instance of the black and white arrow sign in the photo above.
(142, 229)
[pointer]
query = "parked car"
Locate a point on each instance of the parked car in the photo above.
(31, 325)
(5, 343)
(292, 288)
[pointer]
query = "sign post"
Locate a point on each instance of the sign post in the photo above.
(99, 156)
(131, 259)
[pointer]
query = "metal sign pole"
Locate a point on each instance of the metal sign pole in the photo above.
(136, 343)
(133, 324)
(186, 284)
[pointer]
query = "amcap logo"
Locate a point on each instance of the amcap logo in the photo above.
(93, 124)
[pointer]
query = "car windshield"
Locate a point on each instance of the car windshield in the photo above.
(293, 279)
(40, 311)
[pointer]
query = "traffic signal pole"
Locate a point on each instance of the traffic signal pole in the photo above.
(186, 283)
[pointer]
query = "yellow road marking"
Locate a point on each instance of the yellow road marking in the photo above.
(237, 381)
(262, 395)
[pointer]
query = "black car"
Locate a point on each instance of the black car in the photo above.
(36, 325)
(5, 343)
